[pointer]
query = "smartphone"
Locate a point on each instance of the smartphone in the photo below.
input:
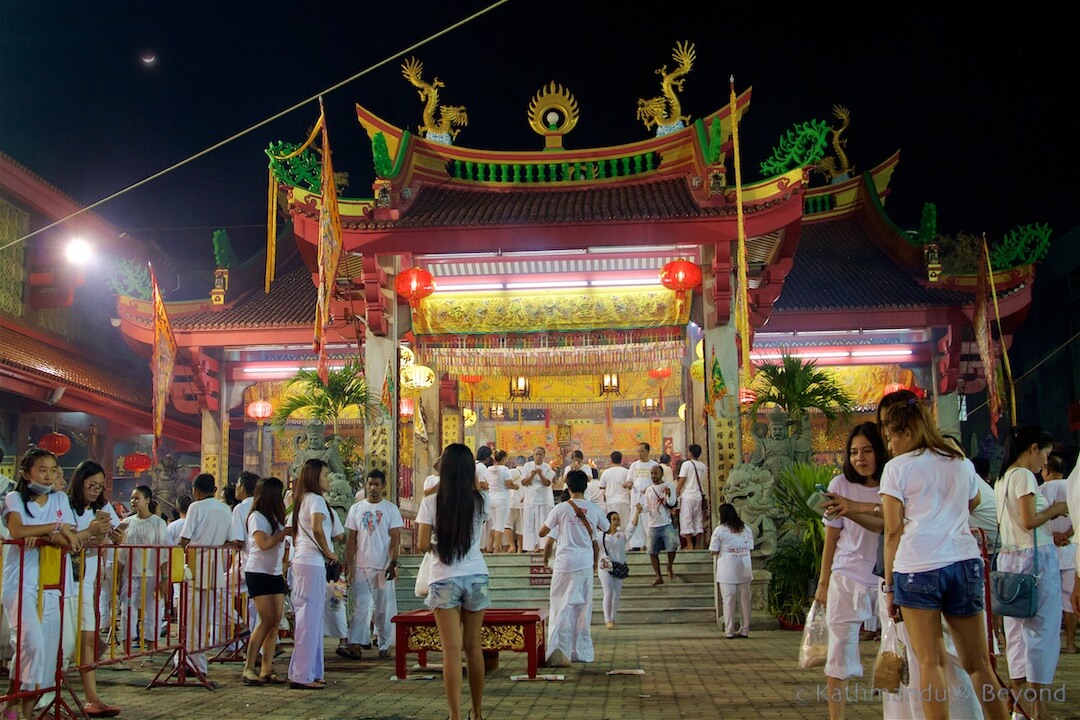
(821, 488)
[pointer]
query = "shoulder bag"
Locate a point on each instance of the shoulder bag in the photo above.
(618, 570)
(1015, 594)
(588, 527)
(333, 567)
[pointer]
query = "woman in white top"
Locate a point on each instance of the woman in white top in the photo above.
(1031, 644)
(139, 570)
(458, 591)
(731, 543)
(37, 516)
(848, 587)
(94, 519)
(933, 567)
(500, 483)
(312, 530)
(612, 547)
(266, 533)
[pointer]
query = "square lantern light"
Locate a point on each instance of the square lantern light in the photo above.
(650, 406)
(609, 384)
(497, 411)
(520, 388)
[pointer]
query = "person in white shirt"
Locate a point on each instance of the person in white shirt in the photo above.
(640, 475)
(577, 462)
(1032, 644)
(731, 544)
(612, 549)
(312, 531)
(499, 485)
(34, 512)
(238, 537)
(536, 479)
(483, 462)
(450, 525)
(933, 565)
(207, 526)
(515, 524)
(371, 566)
(141, 570)
(431, 482)
(1055, 489)
(848, 587)
(1072, 500)
(176, 527)
(690, 490)
(266, 533)
(656, 501)
(574, 525)
(615, 484)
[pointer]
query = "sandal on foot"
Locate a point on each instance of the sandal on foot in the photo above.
(348, 651)
(99, 710)
(272, 678)
(250, 677)
(309, 686)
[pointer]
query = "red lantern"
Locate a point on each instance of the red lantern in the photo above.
(55, 442)
(259, 410)
(414, 285)
(137, 462)
(470, 379)
(406, 408)
(680, 275)
(660, 373)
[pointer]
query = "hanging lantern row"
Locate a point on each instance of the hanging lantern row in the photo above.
(55, 442)
(414, 285)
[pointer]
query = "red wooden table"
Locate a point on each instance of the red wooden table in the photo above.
(517, 629)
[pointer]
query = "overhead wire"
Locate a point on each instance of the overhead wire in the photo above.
(256, 126)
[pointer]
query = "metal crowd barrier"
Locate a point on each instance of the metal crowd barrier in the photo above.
(130, 593)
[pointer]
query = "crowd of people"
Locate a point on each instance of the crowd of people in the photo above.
(911, 526)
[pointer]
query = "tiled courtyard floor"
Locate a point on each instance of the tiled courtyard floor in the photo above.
(691, 672)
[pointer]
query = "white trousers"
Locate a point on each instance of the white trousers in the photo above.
(308, 594)
(729, 594)
(205, 614)
(612, 594)
(135, 604)
(36, 639)
(1033, 644)
(846, 608)
(570, 615)
(372, 594)
(533, 517)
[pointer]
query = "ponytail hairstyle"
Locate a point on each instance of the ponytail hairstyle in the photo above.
(912, 416)
(457, 503)
(500, 455)
(26, 464)
(1021, 439)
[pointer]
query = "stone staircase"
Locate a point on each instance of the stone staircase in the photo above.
(523, 581)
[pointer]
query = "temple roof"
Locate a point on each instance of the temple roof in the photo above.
(667, 198)
(839, 266)
(291, 304)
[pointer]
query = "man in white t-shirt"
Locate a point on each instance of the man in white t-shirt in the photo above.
(371, 566)
(207, 525)
(690, 491)
(536, 479)
(615, 484)
(515, 524)
(245, 493)
(574, 524)
(656, 502)
(1055, 489)
(640, 473)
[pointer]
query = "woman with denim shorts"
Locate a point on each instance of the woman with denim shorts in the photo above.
(1031, 644)
(452, 523)
(933, 567)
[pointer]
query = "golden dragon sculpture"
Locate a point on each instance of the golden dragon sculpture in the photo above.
(666, 109)
(828, 165)
(450, 116)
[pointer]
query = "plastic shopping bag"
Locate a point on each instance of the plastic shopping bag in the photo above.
(423, 576)
(814, 649)
(890, 666)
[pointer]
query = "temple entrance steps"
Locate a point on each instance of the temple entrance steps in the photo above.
(521, 580)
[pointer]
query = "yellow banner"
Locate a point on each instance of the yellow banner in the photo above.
(595, 441)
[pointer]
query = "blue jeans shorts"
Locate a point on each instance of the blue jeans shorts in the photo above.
(661, 539)
(468, 592)
(955, 589)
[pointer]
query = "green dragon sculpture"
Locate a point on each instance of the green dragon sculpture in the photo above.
(828, 166)
(1024, 245)
(666, 109)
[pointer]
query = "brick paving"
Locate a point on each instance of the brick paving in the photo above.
(691, 671)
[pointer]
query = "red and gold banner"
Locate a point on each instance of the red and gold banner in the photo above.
(329, 247)
(162, 360)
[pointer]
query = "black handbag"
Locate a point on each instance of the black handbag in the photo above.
(333, 567)
(618, 570)
(1015, 594)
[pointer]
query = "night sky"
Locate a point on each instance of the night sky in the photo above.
(980, 108)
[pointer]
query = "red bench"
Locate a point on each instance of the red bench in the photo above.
(517, 629)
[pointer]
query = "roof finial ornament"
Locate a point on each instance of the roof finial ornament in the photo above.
(665, 112)
(828, 166)
(553, 112)
(450, 116)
